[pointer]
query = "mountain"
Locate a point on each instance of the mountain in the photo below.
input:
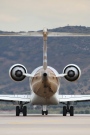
(74, 29)
(61, 51)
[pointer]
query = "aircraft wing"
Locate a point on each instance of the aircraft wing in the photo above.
(11, 98)
(74, 98)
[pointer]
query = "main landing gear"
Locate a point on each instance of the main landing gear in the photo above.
(67, 109)
(20, 109)
(44, 110)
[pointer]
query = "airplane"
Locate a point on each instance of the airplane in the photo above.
(44, 81)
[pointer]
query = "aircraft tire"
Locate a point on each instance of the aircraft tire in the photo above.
(42, 112)
(46, 112)
(64, 111)
(17, 110)
(24, 111)
(71, 111)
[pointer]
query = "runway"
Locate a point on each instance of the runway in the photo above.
(44, 125)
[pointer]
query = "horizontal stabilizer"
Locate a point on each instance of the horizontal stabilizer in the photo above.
(23, 34)
(64, 34)
(49, 34)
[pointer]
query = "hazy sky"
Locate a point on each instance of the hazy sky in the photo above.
(26, 15)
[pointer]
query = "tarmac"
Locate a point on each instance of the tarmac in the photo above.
(44, 125)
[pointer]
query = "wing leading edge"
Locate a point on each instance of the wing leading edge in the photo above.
(62, 98)
(23, 98)
(74, 98)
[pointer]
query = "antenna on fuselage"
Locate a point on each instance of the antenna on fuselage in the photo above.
(45, 33)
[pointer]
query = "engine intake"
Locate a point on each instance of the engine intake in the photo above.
(16, 72)
(73, 72)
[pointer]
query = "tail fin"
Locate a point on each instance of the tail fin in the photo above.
(45, 33)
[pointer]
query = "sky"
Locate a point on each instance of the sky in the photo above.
(28, 15)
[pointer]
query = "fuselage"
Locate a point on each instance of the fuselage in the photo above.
(46, 85)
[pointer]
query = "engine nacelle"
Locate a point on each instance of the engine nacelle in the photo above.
(16, 72)
(73, 72)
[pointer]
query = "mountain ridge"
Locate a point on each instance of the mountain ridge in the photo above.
(61, 51)
(74, 29)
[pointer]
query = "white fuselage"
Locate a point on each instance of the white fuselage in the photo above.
(44, 90)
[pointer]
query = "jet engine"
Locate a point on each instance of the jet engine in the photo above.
(73, 72)
(16, 72)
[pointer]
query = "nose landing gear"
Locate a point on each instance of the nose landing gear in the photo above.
(44, 110)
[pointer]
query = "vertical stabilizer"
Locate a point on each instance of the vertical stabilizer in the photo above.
(45, 33)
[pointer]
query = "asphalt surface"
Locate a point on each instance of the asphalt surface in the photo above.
(44, 125)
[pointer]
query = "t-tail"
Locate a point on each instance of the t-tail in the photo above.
(45, 33)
